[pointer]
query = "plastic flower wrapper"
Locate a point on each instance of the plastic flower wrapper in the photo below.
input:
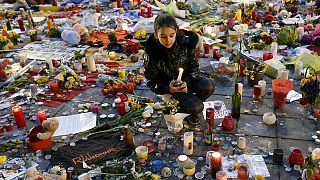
(171, 9)
(311, 166)
(67, 77)
(287, 36)
(241, 28)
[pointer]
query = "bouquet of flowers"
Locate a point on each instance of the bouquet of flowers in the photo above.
(309, 86)
(5, 43)
(311, 167)
(142, 34)
(34, 32)
(170, 106)
(13, 36)
(254, 72)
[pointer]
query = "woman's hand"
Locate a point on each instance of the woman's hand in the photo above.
(182, 88)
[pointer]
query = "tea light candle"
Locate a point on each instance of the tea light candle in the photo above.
(21, 25)
(142, 152)
(42, 115)
(283, 74)
(91, 64)
(19, 117)
(263, 85)
(242, 143)
(188, 143)
(122, 73)
(215, 163)
(180, 74)
(181, 160)
(221, 175)
(142, 11)
(149, 11)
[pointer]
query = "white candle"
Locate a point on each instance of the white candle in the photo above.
(274, 49)
(240, 89)
(50, 64)
(258, 25)
(188, 143)
(246, 3)
(181, 160)
(242, 143)
(298, 69)
(283, 74)
(91, 64)
(300, 33)
(180, 74)
(263, 85)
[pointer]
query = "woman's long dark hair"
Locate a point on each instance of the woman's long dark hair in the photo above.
(166, 20)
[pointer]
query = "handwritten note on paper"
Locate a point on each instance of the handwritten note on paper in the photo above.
(75, 123)
(220, 111)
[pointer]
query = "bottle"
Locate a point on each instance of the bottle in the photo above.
(236, 103)
(128, 138)
(208, 132)
(8, 24)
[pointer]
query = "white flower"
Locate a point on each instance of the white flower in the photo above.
(315, 154)
(241, 29)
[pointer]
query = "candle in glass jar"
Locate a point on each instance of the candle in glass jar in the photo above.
(118, 3)
(263, 85)
(221, 175)
(149, 11)
(91, 64)
(8, 127)
(142, 11)
(257, 92)
(215, 163)
(19, 116)
(121, 109)
(21, 25)
(42, 115)
(243, 172)
(188, 143)
(283, 74)
(180, 74)
(242, 143)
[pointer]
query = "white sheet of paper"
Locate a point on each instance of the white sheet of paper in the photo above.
(75, 123)
(217, 114)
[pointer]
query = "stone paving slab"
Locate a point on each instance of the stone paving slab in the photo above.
(253, 125)
(296, 128)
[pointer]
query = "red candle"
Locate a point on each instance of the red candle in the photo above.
(19, 117)
(142, 11)
(118, 3)
(1, 129)
(215, 163)
(8, 127)
(149, 11)
(121, 109)
(243, 65)
(42, 115)
(267, 56)
(215, 53)
(138, 1)
(206, 49)
(257, 92)
(243, 172)
(21, 25)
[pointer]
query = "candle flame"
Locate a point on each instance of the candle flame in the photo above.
(216, 155)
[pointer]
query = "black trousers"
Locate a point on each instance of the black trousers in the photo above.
(198, 91)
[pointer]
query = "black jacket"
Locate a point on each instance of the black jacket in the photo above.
(162, 64)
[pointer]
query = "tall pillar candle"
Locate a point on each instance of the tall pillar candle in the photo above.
(142, 11)
(91, 64)
(19, 116)
(300, 33)
(149, 11)
(274, 49)
(240, 89)
(242, 143)
(298, 69)
(263, 85)
(188, 143)
(21, 25)
(216, 163)
(283, 74)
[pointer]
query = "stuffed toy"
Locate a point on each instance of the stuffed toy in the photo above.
(32, 174)
(49, 127)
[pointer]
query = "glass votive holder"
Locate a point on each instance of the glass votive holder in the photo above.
(189, 169)
(257, 93)
(243, 171)
(277, 156)
(157, 165)
(142, 152)
(78, 67)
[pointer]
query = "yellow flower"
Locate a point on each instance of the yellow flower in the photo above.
(154, 177)
(10, 35)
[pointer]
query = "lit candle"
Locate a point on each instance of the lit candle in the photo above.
(180, 74)
(21, 25)
(270, 6)
(242, 143)
(42, 115)
(118, 3)
(188, 143)
(149, 11)
(263, 85)
(215, 163)
(122, 73)
(258, 25)
(221, 175)
(240, 89)
(19, 116)
(50, 24)
(142, 11)
(91, 63)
